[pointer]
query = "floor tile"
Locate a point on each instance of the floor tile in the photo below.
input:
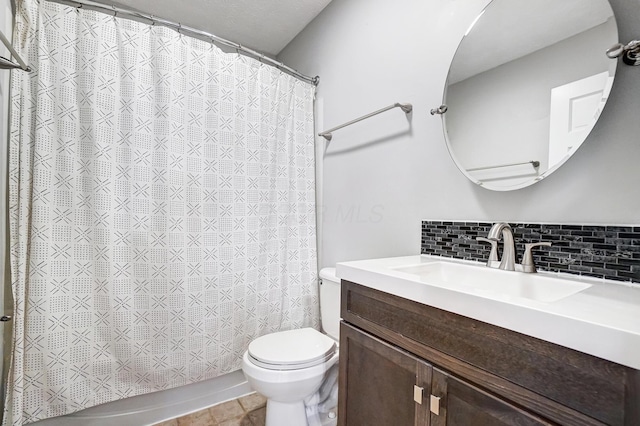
(252, 401)
(200, 418)
(226, 411)
(250, 410)
(172, 422)
(258, 416)
(243, 420)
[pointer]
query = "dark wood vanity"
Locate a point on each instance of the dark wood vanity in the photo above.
(406, 363)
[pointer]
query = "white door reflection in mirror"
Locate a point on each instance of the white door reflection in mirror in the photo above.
(575, 108)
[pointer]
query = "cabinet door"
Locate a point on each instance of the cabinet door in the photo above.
(458, 403)
(380, 385)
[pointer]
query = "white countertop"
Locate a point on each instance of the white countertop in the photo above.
(602, 320)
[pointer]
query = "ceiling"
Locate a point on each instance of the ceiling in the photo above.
(266, 25)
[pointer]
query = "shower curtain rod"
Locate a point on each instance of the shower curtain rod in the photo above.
(8, 64)
(183, 29)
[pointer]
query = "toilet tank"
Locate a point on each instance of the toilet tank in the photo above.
(330, 302)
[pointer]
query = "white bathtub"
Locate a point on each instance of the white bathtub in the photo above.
(156, 407)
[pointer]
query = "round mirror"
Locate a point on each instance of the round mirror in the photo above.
(526, 86)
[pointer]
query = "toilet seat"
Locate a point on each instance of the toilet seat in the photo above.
(291, 350)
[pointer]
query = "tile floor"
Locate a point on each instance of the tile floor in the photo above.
(246, 411)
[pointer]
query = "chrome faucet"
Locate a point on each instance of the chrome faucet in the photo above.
(527, 259)
(508, 262)
(502, 229)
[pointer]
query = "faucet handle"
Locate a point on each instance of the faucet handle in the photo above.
(527, 258)
(493, 255)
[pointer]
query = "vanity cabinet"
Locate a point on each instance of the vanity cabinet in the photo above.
(406, 363)
(385, 385)
(381, 382)
(462, 404)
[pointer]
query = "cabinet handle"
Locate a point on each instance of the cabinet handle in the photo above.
(417, 394)
(434, 405)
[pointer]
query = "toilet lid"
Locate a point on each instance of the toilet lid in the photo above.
(290, 350)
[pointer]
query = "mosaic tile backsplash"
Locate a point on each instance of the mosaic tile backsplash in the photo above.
(611, 252)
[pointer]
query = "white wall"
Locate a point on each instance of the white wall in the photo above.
(383, 176)
(6, 25)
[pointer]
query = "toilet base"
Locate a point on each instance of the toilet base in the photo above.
(289, 413)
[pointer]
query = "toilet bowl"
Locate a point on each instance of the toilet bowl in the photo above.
(289, 366)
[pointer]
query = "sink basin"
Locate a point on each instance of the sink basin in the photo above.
(494, 282)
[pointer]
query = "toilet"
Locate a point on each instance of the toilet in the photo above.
(288, 367)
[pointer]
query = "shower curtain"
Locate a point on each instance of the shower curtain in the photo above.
(162, 209)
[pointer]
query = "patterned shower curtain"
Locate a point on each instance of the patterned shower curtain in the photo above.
(162, 209)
